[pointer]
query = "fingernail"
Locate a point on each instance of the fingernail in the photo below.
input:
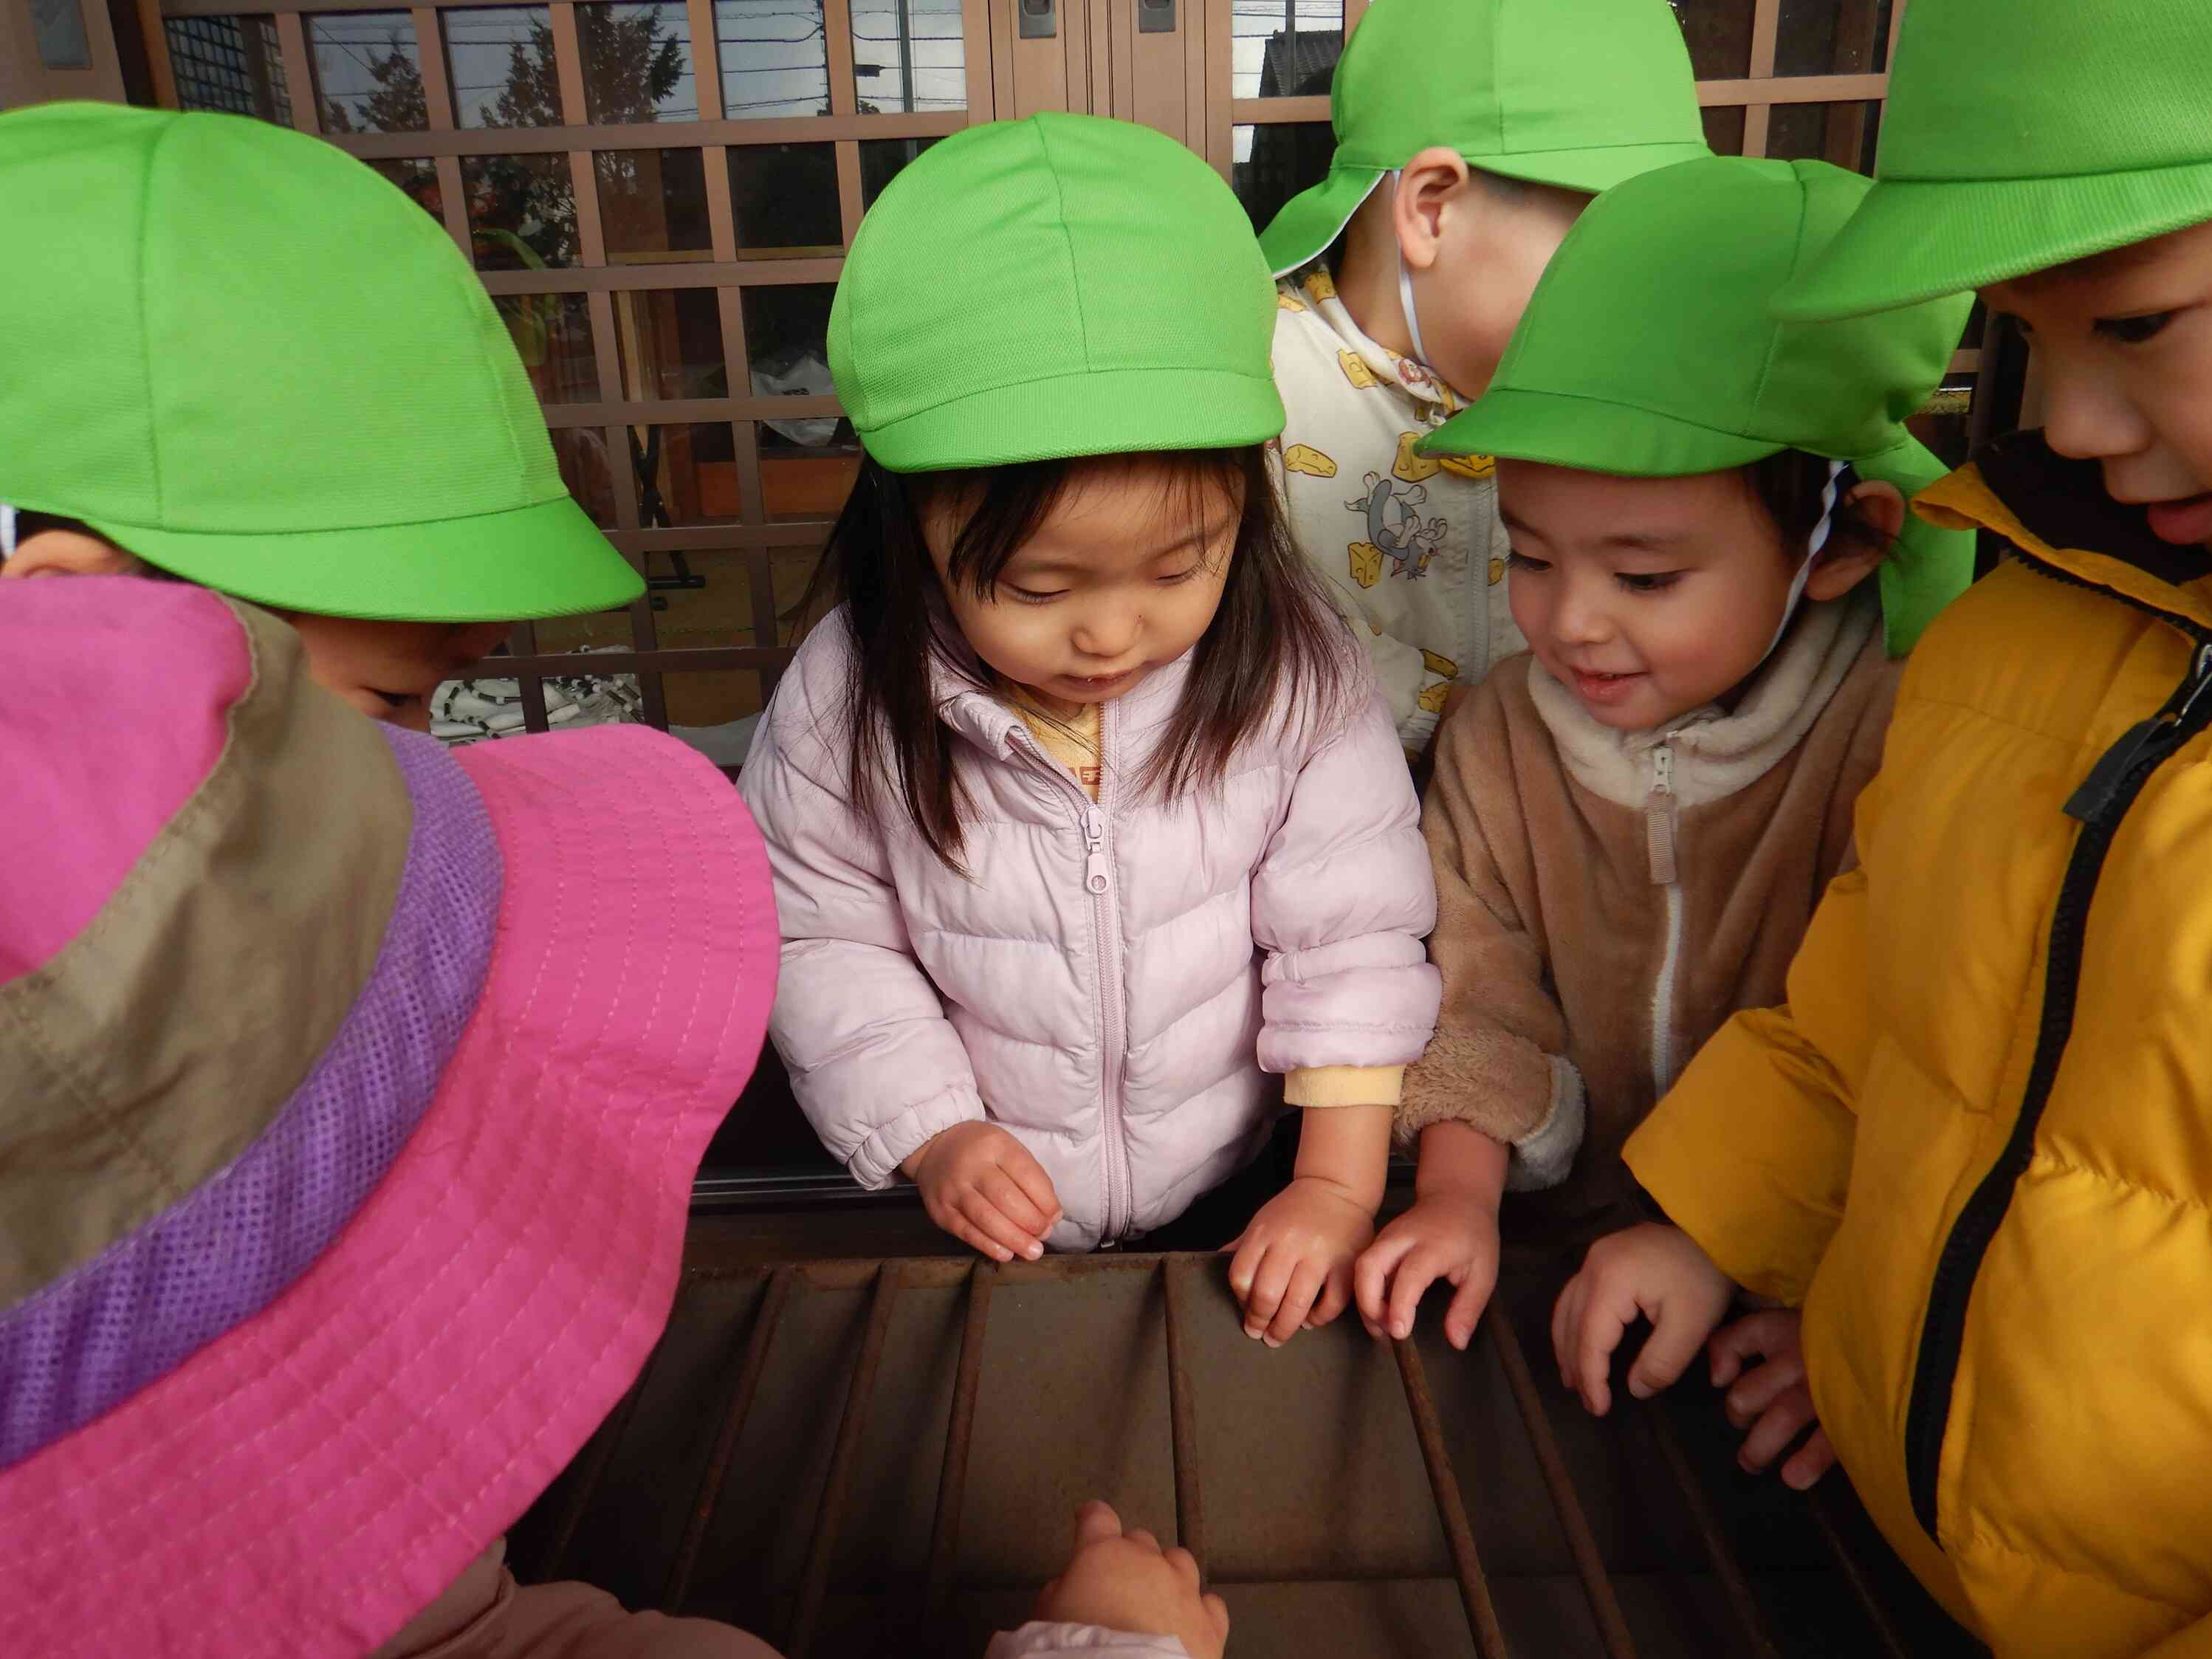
(1402, 1329)
(1271, 1342)
(1638, 1388)
(1033, 1249)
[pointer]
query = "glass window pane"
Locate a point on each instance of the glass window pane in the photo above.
(58, 28)
(882, 160)
(368, 72)
(1842, 133)
(1284, 48)
(418, 179)
(652, 205)
(669, 342)
(582, 452)
(807, 468)
(686, 475)
(1724, 128)
(553, 334)
(1274, 163)
(522, 211)
(786, 197)
(230, 64)
(909, 55)
(775, 57)
(1832, 37)
(637, 61)
(501, 60)
(1719, 36)
(786, 334)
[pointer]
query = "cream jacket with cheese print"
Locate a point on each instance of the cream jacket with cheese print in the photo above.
(1412, 547)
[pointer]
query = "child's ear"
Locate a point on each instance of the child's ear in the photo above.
(68, 553)
(1433, 178)
(1849, 562)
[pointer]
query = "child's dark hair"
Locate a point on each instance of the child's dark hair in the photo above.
(1788, 484)
(1275, 628)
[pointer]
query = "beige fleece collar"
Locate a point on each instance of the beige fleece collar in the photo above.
(1716, 754)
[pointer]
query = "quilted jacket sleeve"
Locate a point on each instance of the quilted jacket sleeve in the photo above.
(1750, 1152)
(875, 1064)
(1043, 1641)
(1340, 902)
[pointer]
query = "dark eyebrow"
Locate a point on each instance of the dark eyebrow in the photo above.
(1638, 541)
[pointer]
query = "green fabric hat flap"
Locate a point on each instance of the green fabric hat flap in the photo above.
(1056, 287)
(2023, 134)
(245, 357)
(1581, 94)
(1648, 350)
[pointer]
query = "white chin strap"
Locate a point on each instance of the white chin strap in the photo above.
(1406, 292)
(1831, 493)
(7, 530)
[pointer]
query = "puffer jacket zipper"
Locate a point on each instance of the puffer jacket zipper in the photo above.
(1096, 829)
(1660, 827)
(1106, 931)
(2100, 803)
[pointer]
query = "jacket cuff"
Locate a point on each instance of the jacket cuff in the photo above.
(1343, 1085)
(875, 1161)
(1542, 1157)
(1038, 1640)
(1483, 1078)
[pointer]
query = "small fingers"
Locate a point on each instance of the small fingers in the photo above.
(1467, 1302)
(1760, 1390)
(1142, 1539)
(1602, 1320)
(1760, 1333)
(1185, 1565)
(1218, 1610)
(1415, 1275)
(1336, 1297)
(1370, 1278)
(1675, 1341)
(1777, 1426)
(1020, 1166)
(1566, 1319)
(1306, 1278)
(1095, 1523)
(1809, 1462)
(1269, 1282)
(998, 1188)
(972, 1236)
(987, 1219)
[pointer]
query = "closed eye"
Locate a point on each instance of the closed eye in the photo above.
(1518, 561)
(1034, 596)
(1647, 582)
(2134, 331)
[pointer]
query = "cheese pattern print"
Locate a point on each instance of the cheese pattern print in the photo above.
(1409, 544)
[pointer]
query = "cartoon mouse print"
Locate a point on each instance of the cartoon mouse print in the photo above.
(1395, 530)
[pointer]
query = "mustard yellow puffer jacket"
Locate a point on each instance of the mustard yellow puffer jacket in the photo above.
(1978, 1143)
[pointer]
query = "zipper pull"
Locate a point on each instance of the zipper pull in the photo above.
(1659, 818)
(2143, 745)
(1094, 869)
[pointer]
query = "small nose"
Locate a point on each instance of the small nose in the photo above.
(2087, 415)
(1582, 616)
(1107, 631)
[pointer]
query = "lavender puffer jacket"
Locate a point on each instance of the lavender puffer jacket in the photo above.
(1114, 980)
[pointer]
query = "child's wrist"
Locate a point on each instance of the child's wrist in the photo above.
(1365, 1203)
(1459, 1164)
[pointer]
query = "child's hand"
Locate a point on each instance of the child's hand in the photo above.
(1449, 1235)
(1656, 1271)
(1293, 1264)
(981, 1185)
(1773, 1401)
(1124, 1581)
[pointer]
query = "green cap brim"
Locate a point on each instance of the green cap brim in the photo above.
(1913, 240)
(1309, 221)
(1590, 436)
(547, 560)
(1093, 412)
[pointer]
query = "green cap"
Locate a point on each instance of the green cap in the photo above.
(247, 358)
(1581, 94)
(1649, 349)
(1060, 286)
(2018, 135)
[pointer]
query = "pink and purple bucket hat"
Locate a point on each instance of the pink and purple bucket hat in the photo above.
(353, 1090)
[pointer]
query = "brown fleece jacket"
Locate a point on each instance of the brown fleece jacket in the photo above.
(1563, 867)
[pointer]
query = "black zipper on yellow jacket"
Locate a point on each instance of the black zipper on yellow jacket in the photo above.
(2100, 803)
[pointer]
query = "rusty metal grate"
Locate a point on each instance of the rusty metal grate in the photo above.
(851, 1457)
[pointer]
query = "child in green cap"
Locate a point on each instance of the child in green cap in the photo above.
(1976, 1145)
(1631, 824)
(1084, 816)
(208, 378)
(1469, 135)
